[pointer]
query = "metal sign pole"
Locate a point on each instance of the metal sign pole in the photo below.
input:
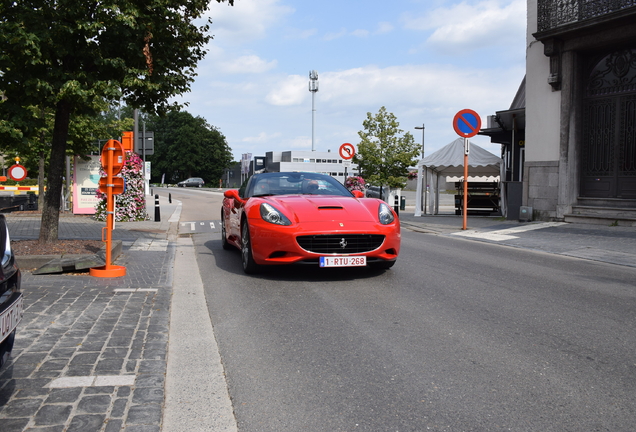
(465, 183)
(467, 124)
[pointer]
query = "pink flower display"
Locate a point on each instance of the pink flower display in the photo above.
(355, 183)
(130, 205)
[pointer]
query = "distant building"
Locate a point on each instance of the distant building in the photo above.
(308, 161)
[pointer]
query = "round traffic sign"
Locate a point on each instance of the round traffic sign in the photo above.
(118, 156)
(17, 172)
(467, 123)
(347, 151)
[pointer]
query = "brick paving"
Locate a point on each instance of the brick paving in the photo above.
(90, 353)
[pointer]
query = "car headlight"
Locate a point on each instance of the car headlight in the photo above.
(385, 214)
(6, 257)
(272, 215)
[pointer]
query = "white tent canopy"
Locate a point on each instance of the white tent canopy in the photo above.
(449, 161)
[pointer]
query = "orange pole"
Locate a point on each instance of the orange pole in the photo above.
(110, 207)
(109, 270)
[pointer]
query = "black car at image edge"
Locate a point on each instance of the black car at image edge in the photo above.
(11, 301)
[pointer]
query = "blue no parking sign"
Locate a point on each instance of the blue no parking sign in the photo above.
(467, 123)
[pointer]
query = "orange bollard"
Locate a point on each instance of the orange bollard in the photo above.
(112, 161)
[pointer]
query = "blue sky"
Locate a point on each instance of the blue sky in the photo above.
(423, 60)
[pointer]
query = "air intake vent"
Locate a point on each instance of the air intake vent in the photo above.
(340, 244)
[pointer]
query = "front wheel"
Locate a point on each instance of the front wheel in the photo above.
(249, 265)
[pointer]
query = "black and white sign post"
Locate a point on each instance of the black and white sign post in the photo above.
(347, 152)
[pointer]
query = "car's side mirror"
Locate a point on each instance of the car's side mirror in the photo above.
(357, 194)
(232, 193)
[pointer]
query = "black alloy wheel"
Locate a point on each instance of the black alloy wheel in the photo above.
(249, 266)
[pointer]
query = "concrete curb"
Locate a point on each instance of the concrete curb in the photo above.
(32, 262)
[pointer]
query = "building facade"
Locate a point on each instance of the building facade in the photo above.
(311, 161)
(308, 161)
(580, 135)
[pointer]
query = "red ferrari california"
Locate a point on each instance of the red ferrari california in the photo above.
(307, 218)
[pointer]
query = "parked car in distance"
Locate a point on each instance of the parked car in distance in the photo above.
(11, 302)
(374, 192)
(192, 182)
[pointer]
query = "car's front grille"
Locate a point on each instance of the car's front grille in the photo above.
(340, 244)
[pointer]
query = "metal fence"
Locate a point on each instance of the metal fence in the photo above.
(555, 13)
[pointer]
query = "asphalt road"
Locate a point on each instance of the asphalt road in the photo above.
(458, 336)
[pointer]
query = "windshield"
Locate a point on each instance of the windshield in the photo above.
(295, 183)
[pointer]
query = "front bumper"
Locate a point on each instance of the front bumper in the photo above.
(275, 244)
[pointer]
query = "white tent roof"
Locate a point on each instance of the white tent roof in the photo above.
(449, 160)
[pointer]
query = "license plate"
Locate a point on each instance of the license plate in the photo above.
(343, 261)
(11, 317)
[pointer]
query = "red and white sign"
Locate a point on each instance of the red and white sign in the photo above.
(347, 151)
(17, 172)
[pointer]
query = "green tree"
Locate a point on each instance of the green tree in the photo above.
(187, 146)
(65, 54)
(86, 132)
(384, 154)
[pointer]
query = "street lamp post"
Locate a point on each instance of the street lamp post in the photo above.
(423, 128)
(313, 88)
(418, 198)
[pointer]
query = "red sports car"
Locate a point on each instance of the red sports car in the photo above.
(307, 218)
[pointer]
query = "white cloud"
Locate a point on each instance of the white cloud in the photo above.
(335, 35)
(360, 33)
(384, 27)
(262, 137)
(299, 143)
(291, 90)
(247, 64)
(301, 34)
(246, 20)
(436, 87)
(465, 26)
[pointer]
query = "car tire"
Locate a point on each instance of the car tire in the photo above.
(249, 265)
(5, 348)
(200, 185)
(224, 241)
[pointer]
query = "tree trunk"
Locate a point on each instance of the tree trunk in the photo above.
(51, 209)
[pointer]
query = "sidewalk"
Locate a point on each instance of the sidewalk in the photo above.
(91, 354)
(610, 244)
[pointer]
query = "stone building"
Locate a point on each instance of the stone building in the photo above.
(580, 114)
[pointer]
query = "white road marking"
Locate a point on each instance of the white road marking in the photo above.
(505, 234)
(132, 290)
(93, 381)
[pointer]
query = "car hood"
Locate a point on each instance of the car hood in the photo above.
(313, 208)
